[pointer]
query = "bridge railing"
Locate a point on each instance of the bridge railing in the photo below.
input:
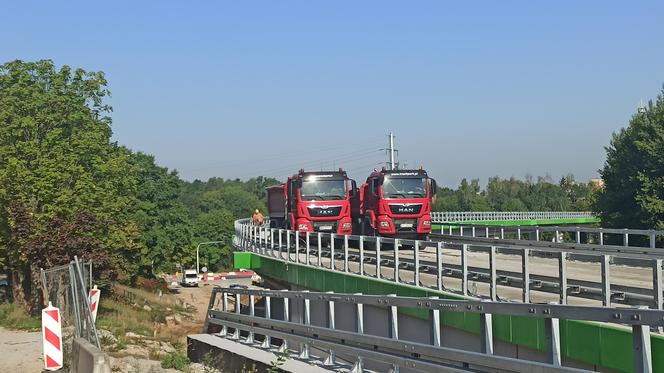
(391, 259)
(649, 238)
(461, 216)
(227, 316)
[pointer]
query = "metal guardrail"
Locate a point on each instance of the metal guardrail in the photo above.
(588, 235)
(66, 288)
(461, 216)
(387, 254)
(400, 353)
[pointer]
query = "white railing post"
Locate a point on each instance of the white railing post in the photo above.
(439, 266)
(330, 324)
(238, 305)
(396, 260)
(552, 331)
(434, 315)
(252, 312)
(284, 344)
(345, 253)
(416, 275)
(378, 269)
(268, 315)
(361, 255)
(308, 249)
(358, 367)
(332, 266)
(304, 353)
(320, 250)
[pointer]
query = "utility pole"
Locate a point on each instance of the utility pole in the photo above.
(391, 150)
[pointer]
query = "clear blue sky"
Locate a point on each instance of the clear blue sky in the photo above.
(471, 89)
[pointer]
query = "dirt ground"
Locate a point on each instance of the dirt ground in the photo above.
(199, 296)
(21, 351)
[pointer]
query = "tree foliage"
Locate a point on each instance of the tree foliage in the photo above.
(66, 189)
(165, 226)
(57, 161)
(516, 195)
(633, 193)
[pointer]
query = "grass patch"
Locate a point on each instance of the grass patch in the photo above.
(124, 311)
(120, 318)
(14, 317)
(177, 360)
(142, 297)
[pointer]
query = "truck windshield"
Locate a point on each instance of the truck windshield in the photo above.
(404, 187)
(323, 189)
(191, 275)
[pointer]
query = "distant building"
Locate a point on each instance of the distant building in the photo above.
(597, 183)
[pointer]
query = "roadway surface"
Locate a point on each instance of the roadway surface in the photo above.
(21, 351)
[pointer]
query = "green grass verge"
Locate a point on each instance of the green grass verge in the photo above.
(13, 316)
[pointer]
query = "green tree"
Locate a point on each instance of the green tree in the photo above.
(216, 225)
(471, 197)
(162, 219)
(57, 161)
(633, 194)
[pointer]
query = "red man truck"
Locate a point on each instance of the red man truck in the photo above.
(313, 202)
(396, 203)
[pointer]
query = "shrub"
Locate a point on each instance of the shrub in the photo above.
(151, 284)
(177, 360)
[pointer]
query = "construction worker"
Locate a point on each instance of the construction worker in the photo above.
(257, 218)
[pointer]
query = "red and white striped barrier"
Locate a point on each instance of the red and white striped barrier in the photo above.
(52, 337)
(94, 302)
(239, 274)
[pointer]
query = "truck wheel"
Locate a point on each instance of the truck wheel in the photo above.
(366, 228)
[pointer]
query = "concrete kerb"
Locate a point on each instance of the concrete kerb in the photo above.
(87, 358)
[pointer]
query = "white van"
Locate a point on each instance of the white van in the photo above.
(189, 278)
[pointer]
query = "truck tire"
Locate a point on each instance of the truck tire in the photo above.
(366, 228)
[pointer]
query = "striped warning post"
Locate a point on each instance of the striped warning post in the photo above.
(52, 335)
(94, 302)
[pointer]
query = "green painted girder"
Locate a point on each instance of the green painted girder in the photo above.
(593, 343)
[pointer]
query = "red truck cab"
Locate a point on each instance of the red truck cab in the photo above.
(313, 202)
(396, 203)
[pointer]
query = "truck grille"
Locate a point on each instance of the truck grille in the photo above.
(324, 211)
(406, 209)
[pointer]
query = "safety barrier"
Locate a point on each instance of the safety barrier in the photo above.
(330, 341)
(88, 358)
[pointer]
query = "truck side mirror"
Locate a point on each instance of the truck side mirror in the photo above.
(434, 187)
(374, 188)
(353, 188)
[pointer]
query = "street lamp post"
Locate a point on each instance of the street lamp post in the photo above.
(198, 267)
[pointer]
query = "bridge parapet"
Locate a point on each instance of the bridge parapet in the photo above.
(433, 264)
(357, 263)
(236, 320)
